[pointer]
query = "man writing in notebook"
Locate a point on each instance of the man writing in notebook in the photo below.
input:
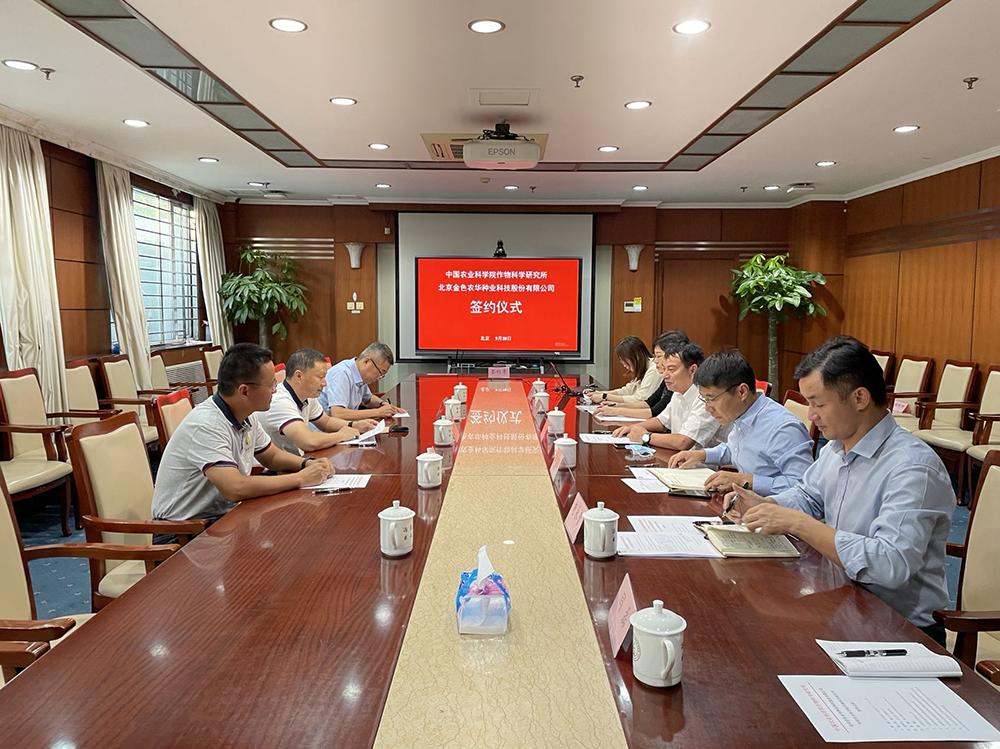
(877, 501)
(768, 445)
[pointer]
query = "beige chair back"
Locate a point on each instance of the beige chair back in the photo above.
(953, 388)
(980, 583)
(883, 361)
(173, 414)
(117, 470)
(991, 394)
(22, 399)
(800, 410)
(909, 379)
(158, 373)
(15, 600)
(213, 359)
(121, 384)
(82, 395)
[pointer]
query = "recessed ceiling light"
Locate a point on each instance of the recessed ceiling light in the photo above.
(257, 184)
(379, 146)
(608, 149)
(343, 101)
(639, 104)
(486, 26)
(208, 160)
(906, 129)
(640, 188)
(771, 188)
(136, 123)
(692, 26)
(291, 25)
(510, 187)
(20, 64)
(826, 163)
(383, 185)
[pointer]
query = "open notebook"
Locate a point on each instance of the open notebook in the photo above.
(919, 661)
(739, 541)
(686, 481)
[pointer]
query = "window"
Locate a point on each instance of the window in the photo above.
(168, 266)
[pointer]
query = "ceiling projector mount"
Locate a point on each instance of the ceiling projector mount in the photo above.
(499, 148)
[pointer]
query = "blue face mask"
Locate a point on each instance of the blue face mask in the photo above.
(640, 451)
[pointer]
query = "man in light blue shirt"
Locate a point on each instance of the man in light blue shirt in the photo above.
(347, 393)
(877, 501)
(769, 446)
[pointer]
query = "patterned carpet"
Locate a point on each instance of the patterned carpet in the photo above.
(62, 586)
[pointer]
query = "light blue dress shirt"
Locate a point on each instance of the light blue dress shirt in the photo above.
(891, 501)
(768, 441)
(344, 387)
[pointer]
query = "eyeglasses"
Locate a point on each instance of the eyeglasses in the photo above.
(712, 399)
(378, 368)
(273, 385)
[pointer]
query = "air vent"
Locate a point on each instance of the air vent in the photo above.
(448, 146)
(800, 187)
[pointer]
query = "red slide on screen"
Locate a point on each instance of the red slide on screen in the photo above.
(498, 304)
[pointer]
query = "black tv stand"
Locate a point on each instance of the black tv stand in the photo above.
(518, 365)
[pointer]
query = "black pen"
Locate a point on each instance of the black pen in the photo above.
(870, 653)
(732, 503)
(338, 490)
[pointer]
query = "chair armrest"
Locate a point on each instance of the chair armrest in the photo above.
(983, 427)
(952, 550)
(991, 670)
(35, 630)
(53, 437)
(103, 552)
(157, 391)
(968, 621)
(100, 413)
(126, 401)
(912, 395)
(33, 428)
(183, 527)
(987, 417)
(21, 654)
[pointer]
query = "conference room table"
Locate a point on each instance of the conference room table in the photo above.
(283, 625)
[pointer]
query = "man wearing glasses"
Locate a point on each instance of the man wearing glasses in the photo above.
(684, 424)
(347, 394)
(769, 446)
(205, 469)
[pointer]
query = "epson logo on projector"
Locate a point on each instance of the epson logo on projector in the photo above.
(497, 152)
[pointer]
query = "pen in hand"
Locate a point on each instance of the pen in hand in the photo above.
(732, 502)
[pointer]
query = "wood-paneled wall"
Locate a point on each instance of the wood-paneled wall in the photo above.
(81, 277)
(941, 300)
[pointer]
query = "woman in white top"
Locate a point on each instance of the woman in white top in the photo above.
(638, 362)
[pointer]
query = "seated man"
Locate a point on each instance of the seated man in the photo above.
(685, 423)
(877, 501)
(206, 466)
(655, 404)
(294, 407)
(347, 393)
(768, 444)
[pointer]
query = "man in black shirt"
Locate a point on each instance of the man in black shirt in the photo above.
(658, 401)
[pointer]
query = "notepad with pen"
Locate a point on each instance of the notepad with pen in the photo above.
(739, 541)
(918, 662)
(688, 482)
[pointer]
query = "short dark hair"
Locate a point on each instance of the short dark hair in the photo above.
(378, 350)
(689, 353)
(725, 369)
(241, 364)
(631, 349)
(303, 360)
(845, 364)
(668, 337)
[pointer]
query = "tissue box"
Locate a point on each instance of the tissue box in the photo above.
(482, 603)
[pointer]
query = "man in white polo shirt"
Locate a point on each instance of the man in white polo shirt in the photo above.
(347, 393)
(684, 424)
(205, 469)
(294, 407)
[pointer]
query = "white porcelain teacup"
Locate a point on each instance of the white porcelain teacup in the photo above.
(657, 646)
(600, 532)
(396, 530)
(429, 467)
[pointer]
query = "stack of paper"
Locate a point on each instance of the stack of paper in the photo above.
(602, 439)
(690, 481)
(344, 481)
(739, 541)
(919, 661)
(603, 417)
(666, 536)
(368, 438)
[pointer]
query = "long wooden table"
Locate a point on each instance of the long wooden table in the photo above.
(282, 624)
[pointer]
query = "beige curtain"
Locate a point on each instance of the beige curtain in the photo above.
(29, 301)
(211, 266)
(121, 252)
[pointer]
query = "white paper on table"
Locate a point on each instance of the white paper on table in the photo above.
(602, 417)
(645, 486)
(919, 662)
(345, 481)
(843, 709)
(602, 439)
(643, 473)
(368, 436)
(588, 408)
(401, 415)
(667, 523)
(683, 541)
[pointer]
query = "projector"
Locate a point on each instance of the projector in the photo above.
(501, 149)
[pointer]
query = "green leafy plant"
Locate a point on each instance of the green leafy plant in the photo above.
(267, 287)
(768, 286)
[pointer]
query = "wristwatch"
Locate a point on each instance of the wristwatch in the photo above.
(304, 461)
(604, 396)
(645, 438)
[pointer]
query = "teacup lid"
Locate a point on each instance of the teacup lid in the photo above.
(431, 454)
(451, 400)
(657, 620)
(555, 412)
(396, 512)
(460, 385)
(443, 422)
(600, 513)
(565, 440)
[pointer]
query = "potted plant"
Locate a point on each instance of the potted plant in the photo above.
(267, 287)
(769, 286)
